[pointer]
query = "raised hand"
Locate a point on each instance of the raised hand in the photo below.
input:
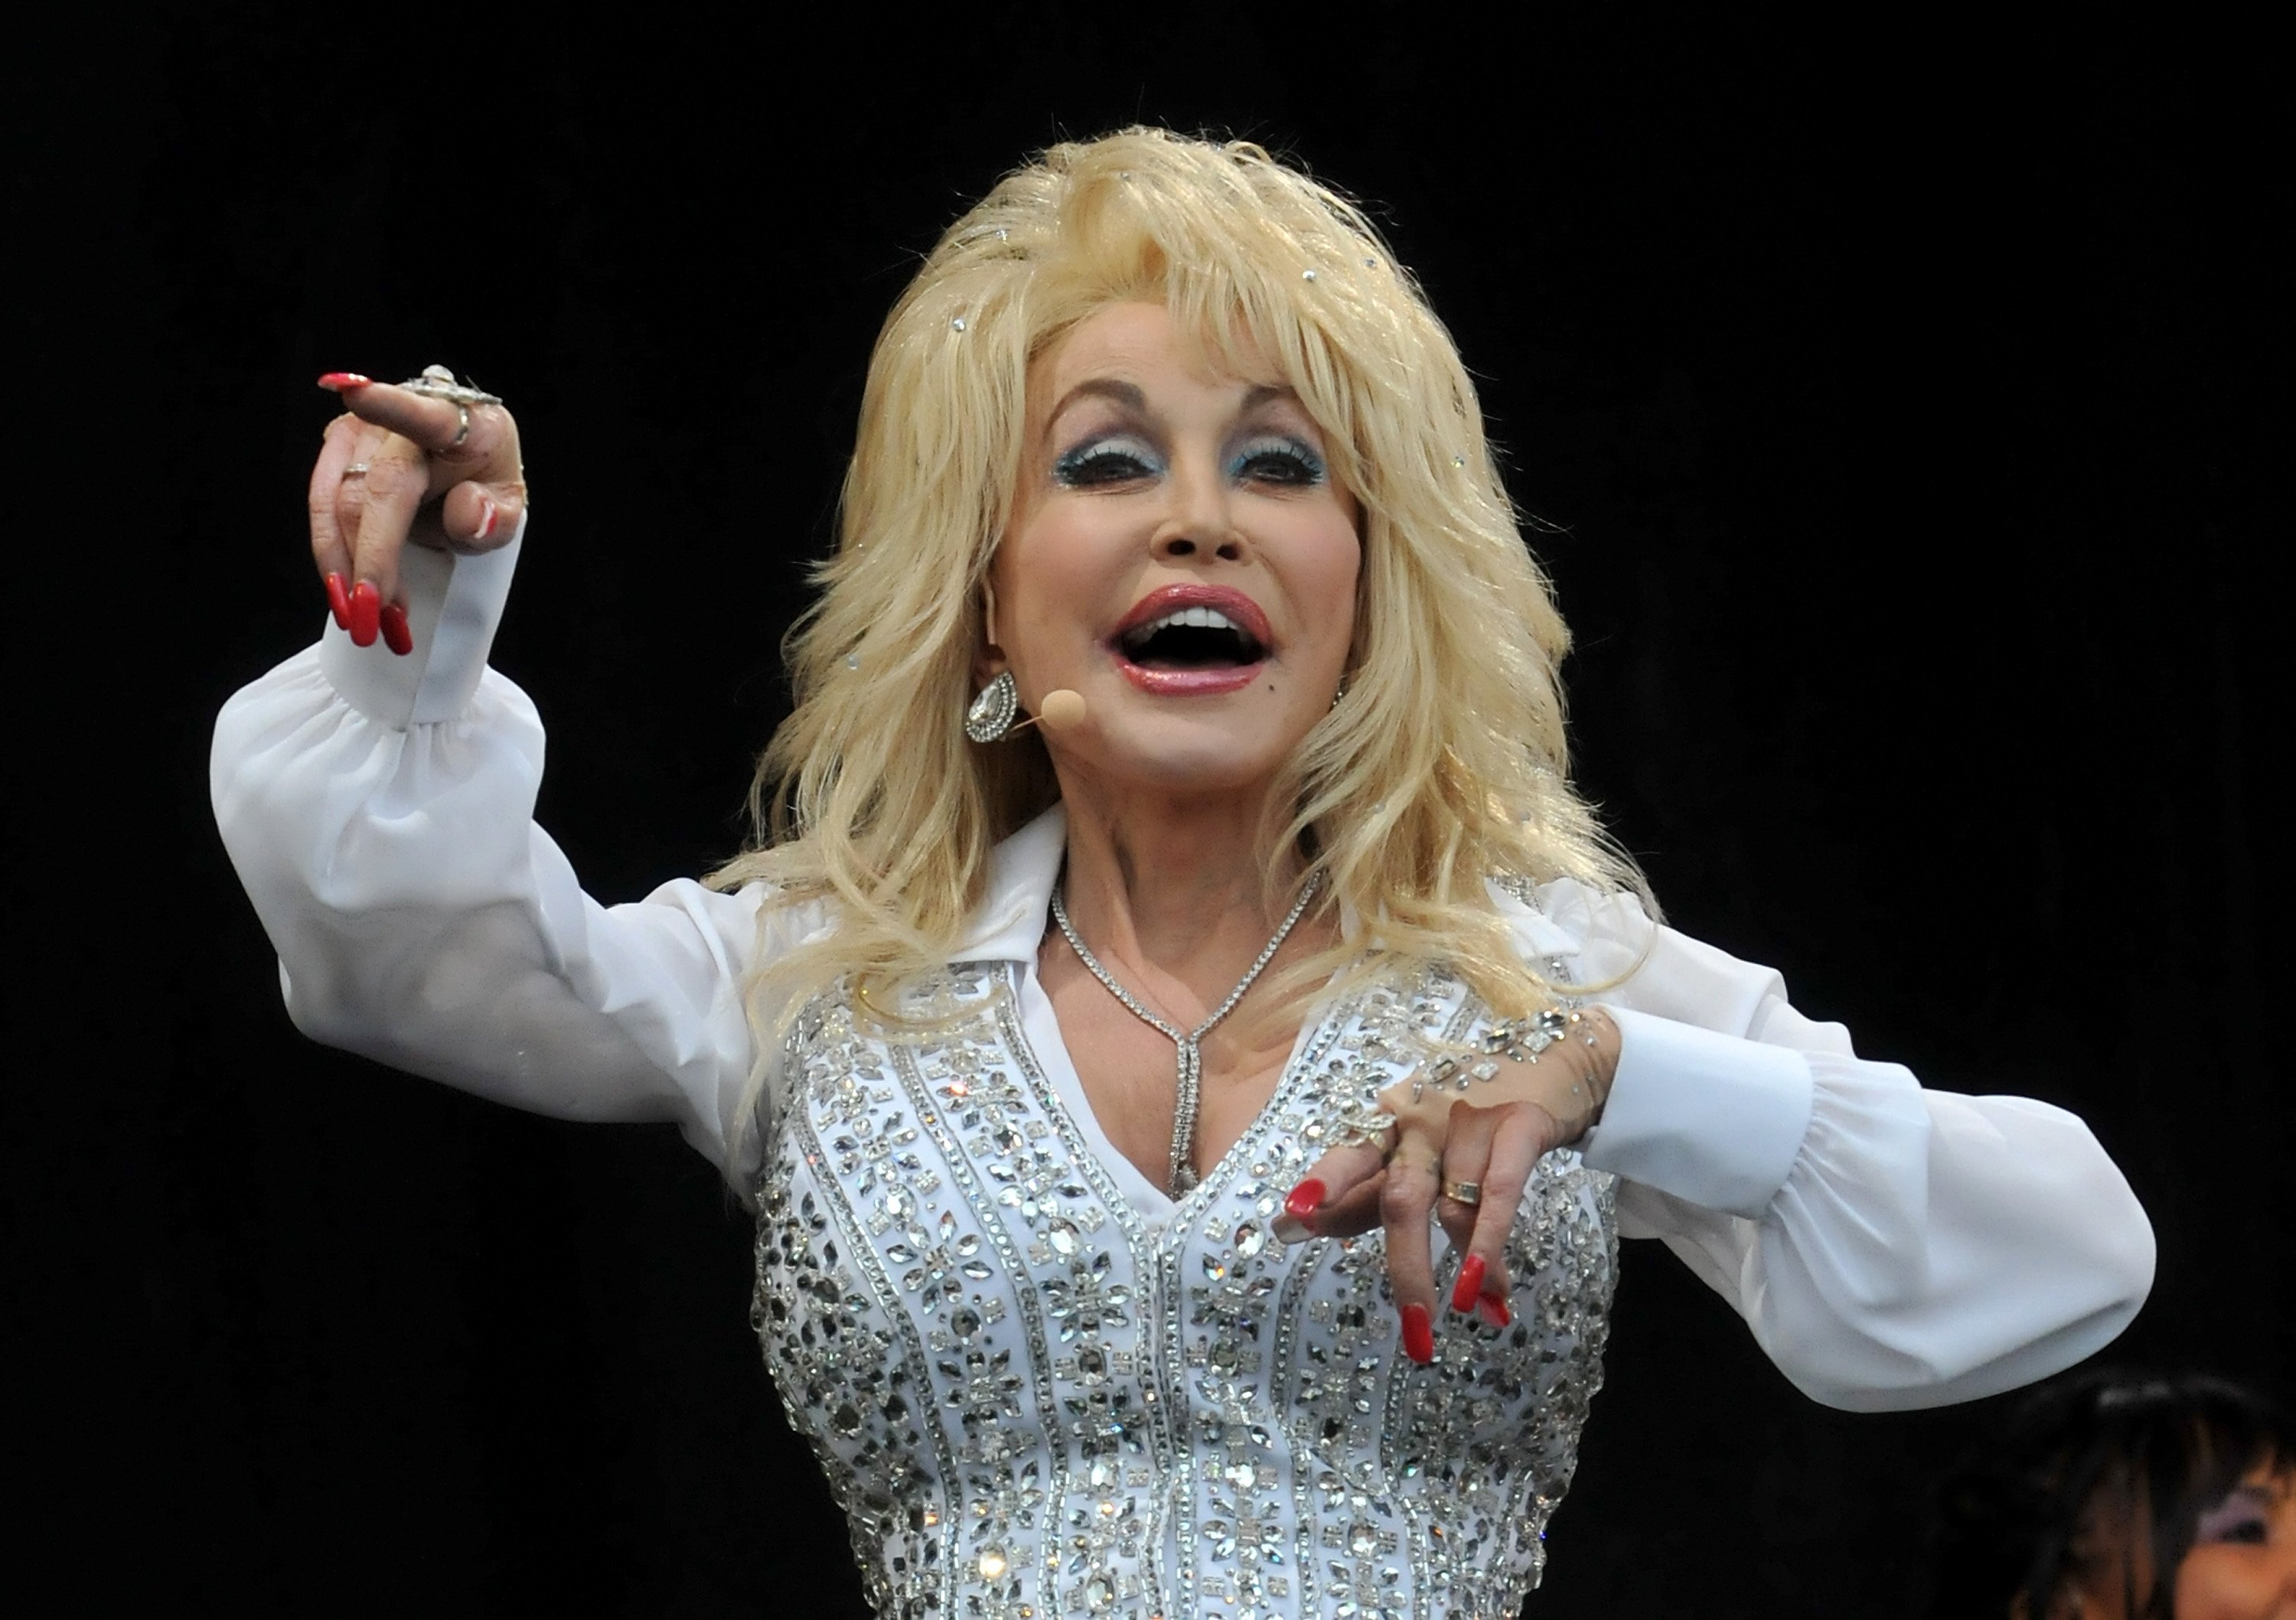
(427, 461)
(1458, 1145)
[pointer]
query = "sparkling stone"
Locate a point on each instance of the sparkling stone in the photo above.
(957, 321)
(992, 1563)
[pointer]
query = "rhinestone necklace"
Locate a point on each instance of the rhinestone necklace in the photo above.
(1182, 1177)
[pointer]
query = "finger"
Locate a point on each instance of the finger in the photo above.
(477, 517)
(1521, 1135)
(398, 480)
(477, 441)
(1334, 1179)
(1404, 1206)
(1355, 1211)
(1466, 1155)
(331, 549)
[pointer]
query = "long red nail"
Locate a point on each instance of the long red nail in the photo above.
(1418, 1334)
(397, 634)
(1306, 1199)
(366, 613)
(335, 383)
(1495, 1310)
(338, 602)
(1470, 1284)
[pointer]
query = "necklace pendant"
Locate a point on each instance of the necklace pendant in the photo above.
(1184, 1181)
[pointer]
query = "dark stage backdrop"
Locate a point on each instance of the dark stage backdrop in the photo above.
(1901, 401)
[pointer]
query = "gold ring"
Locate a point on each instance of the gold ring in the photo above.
(1470, 1193)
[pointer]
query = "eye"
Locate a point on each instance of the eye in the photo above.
(1118, 459)
(1283, 461)
(2240, 1517)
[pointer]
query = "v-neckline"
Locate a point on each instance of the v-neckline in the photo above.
(1050, 1054)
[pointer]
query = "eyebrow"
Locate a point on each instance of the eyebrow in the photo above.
(1130, 396)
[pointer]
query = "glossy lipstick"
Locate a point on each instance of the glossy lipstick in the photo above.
(1208, 680)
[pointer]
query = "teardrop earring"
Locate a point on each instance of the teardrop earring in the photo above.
(991, 713)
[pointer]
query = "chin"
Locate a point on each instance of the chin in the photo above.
(1169, 754)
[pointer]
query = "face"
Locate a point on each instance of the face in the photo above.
(2242, 1565)
(1179, 555)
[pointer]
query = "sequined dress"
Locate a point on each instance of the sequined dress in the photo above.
(1032, 1400)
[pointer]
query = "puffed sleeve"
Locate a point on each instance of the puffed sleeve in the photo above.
(380, 812)
(1890, 1247)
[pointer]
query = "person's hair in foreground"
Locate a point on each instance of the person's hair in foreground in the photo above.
(1444, 764)
(2091, 1499)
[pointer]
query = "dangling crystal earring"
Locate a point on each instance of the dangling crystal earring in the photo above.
(991, 714)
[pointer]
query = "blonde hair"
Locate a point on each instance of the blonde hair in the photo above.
(1444, 765)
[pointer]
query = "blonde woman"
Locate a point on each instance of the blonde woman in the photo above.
(1168, 907)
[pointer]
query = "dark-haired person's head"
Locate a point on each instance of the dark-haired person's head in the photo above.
(2117, 1497)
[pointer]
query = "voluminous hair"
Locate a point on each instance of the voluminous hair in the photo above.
(1444, 766)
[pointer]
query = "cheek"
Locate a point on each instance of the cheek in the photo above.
(2231, 1583)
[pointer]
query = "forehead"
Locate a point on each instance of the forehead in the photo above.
(1141, 342)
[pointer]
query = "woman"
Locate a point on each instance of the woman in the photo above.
(2112, 1497)
(1099, 1075)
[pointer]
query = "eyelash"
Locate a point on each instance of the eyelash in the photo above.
(1283, 461)
(1301, 466)
(2248, 1530)
(1118, 460)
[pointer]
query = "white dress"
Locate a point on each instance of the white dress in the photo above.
(1039, 1387)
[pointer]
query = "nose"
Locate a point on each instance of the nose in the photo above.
(1197, 521)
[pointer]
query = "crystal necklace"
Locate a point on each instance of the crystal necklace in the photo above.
(1189, 1056)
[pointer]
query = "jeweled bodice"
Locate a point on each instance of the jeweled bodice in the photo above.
(1034, 1398)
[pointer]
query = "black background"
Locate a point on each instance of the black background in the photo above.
(1906, 400)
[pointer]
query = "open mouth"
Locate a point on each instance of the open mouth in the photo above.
(1191, 638)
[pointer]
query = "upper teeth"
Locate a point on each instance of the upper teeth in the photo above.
(1195, 619)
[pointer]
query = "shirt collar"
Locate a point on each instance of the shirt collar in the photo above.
(1010, 922)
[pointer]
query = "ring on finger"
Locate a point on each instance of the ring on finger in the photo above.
(462, 433)
(437, 383)
(1368, 1128)
(1469, 1193)
(356, 470)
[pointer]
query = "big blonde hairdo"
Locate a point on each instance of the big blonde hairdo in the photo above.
(1444, 765)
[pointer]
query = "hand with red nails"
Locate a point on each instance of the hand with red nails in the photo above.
(399, 466)
(1491, 1140)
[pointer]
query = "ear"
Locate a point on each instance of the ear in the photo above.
(991, 662)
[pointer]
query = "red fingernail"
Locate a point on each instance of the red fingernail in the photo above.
(487, 518)
(338, 602)
(1495, 1310)
(335, 383)
(1418, 1334)
(1470, 1284)
(1306, 1199)
(396, 634)
(365, 613)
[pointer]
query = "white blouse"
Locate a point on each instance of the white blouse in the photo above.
(1890, 1247)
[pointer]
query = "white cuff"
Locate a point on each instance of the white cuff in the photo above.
(453, 604)
(1712, 1119)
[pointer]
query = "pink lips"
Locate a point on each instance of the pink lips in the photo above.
(1192, 682)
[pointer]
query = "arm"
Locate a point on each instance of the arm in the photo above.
(1890, 1247)
(379, 810)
